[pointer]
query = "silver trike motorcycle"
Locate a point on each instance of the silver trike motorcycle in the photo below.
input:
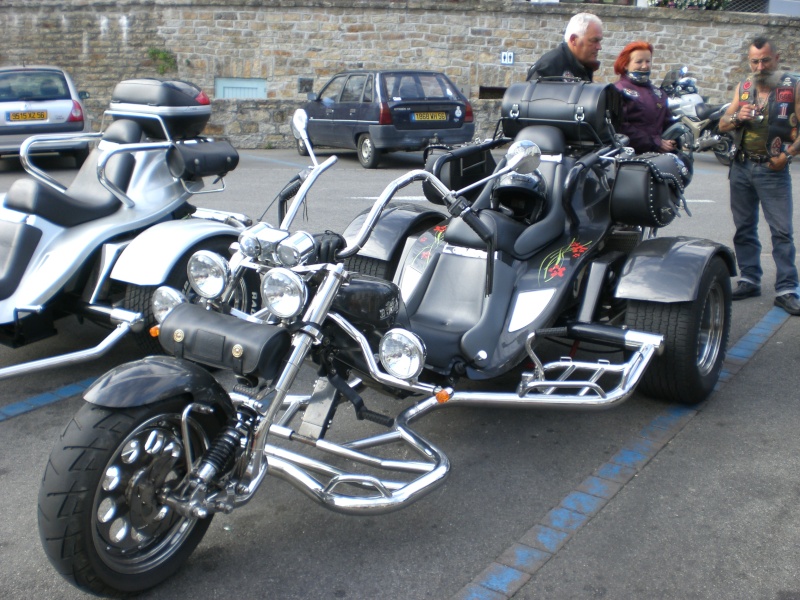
(161, 444)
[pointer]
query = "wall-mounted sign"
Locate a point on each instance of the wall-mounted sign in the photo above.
(506, 58)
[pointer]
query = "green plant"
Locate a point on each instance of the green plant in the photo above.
(164, 60)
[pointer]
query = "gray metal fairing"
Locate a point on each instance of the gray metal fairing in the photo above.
(156, 378)
(667, 269)
(394, 225)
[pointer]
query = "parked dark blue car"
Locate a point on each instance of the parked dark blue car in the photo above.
(374, 112)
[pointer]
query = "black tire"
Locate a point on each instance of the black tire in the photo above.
(302, 150)
(247, 297)
(723, 149)
(100, 521)
(696, 338)
(373, 267)
(368, 155)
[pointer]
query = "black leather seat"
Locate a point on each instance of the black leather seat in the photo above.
(85, 199)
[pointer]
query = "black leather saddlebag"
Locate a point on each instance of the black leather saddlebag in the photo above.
(201, 158)
(223, 341)
(647, 190)
(578, 108)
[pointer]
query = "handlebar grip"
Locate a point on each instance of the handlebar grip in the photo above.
(472, 219)
(290, 190)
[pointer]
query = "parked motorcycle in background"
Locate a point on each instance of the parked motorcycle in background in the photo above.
(99, 248)
(688, 106)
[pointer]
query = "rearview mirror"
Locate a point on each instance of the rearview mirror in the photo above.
(524, 156)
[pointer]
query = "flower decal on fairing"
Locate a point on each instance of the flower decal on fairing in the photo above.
(426, 245)
(553, 266)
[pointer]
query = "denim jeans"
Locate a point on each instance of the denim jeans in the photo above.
(752, 184)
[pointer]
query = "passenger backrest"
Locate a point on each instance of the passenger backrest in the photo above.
(86, 187)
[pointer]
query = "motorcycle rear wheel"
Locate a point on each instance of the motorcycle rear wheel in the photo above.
(723, 149)
(100, 521)
(696, 337)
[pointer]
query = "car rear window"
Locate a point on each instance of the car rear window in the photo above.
(33, 85)
(419, 86)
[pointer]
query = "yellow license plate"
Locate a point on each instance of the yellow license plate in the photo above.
(430, 116)
(38, 115)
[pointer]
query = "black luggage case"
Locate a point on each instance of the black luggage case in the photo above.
(182, 106)
(578, 108)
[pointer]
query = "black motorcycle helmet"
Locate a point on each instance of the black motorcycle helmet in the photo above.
(520, 195)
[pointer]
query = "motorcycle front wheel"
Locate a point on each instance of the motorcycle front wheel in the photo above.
(695, 338)
(101, 522)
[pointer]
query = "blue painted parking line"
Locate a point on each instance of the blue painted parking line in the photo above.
(37, 402)
(515, 566)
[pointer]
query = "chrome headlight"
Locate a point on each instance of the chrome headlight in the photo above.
(164, 300)
(260, 241)
(295, 249)
(283, 292)
(208, 273)
(402, 354)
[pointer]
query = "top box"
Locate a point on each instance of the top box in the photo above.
(182, 107)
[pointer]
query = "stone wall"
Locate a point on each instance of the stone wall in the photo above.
(291, 43)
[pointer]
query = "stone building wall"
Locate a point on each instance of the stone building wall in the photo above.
(292, 44)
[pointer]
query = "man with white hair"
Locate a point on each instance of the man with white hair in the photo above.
(576, 56)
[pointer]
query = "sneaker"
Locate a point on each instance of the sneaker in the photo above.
(789, 302)
(745, 289)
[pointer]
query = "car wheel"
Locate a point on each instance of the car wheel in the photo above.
(368, 155)
(302, 150)
(695, 338)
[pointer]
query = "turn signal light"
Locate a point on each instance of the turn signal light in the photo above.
(155, 330)
(442, 396)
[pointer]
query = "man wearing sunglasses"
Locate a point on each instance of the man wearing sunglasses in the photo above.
(764, 120)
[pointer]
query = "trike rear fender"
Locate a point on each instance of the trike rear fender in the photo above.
(152, 254)
(396, 223)
(669, 269)
(157, 378)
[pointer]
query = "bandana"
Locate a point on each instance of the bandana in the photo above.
(639, 77)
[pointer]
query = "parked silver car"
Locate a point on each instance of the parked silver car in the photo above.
(41, 99)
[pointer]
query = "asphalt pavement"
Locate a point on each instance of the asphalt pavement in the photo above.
(701, 503)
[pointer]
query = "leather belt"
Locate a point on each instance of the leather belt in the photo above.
(756, 158)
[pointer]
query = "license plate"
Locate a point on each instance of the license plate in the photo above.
(430, 116)
(38, 115)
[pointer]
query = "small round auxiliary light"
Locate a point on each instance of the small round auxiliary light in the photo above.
(208, 273)
(284, 293)
(402, 354)
(164, 300)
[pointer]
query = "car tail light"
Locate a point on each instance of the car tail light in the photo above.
(468, 113)
(76, 114)
(202, 98)
(385, 116)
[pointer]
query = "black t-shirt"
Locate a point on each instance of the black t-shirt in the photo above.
(559, 62)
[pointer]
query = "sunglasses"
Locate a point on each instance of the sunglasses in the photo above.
(760, 61)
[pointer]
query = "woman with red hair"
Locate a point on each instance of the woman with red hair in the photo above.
(645, 114)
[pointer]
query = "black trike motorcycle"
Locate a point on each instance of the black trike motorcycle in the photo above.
(554, 243)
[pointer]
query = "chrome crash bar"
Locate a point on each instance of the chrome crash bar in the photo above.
(372, 486)
(125, 321)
